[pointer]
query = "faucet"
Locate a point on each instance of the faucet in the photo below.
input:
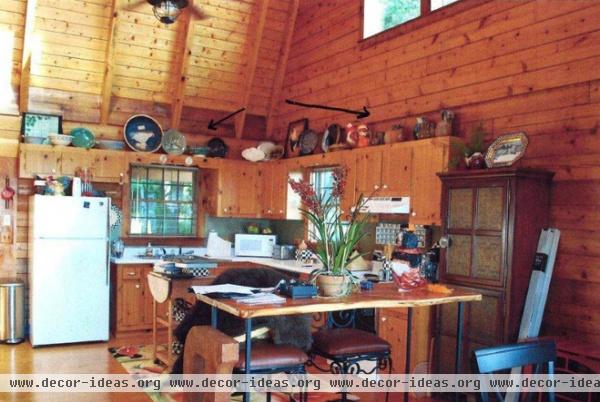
(164, 252)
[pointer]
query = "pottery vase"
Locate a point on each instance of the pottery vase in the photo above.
(476, 161)
(332, 285)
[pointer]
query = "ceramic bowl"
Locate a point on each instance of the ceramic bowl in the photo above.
(60, 139)
(33, 140)
(253, 154)
(110, 144)
(83, 138)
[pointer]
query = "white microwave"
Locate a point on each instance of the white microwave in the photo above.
(254, 245)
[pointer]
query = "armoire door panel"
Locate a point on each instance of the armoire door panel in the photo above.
(458, 255)
(490, 208)
(460, 208)
(487, 258)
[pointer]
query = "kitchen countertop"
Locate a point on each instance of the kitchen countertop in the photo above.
(285, 265)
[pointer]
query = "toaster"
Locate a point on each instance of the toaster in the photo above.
(284, 252)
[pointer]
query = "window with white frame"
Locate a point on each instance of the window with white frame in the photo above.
(322, 181)
(381, 15)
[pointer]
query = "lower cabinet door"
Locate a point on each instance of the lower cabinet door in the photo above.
(131, 303)
(392, 325)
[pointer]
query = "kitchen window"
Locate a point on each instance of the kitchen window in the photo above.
(322, 181)
(381, 15)
(163, 201)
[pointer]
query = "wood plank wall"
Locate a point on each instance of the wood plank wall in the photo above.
(79, 66)
(513, 65)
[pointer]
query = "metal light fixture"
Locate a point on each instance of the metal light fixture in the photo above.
(167, 11)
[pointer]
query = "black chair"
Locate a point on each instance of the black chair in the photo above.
(503, 358)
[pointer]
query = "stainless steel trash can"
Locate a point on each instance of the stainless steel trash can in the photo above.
(12, 310)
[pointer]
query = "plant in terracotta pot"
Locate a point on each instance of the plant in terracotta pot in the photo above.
(335, 239)
(472, 151)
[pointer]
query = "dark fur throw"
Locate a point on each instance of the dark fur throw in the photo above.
(291, 330)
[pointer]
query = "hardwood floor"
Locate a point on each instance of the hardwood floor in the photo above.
(79, 358)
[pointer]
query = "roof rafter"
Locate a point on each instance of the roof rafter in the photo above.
(108, 65)
(282, 65)
(254, 46)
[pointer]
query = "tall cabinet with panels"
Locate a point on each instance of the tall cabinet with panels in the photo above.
(492, 219)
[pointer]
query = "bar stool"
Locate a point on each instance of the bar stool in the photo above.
(346, 348)
(268, 358)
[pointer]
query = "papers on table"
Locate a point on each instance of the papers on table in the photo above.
(241, 294)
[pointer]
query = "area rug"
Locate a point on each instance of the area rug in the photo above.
(138, 359)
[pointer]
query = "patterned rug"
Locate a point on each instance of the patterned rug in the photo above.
(138, 359)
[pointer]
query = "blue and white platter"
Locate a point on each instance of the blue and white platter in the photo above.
(143, 134)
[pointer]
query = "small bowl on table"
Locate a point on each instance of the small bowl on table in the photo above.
(60, 139)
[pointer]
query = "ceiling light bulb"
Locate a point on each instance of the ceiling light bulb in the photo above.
(167, 11)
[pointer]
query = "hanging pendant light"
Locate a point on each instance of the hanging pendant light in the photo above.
(167, 11)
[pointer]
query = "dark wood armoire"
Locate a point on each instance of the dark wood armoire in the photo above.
(492, 219)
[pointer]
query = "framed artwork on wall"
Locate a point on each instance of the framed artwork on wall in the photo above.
(40, 124)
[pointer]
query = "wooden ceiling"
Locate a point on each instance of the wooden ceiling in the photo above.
(100, 61)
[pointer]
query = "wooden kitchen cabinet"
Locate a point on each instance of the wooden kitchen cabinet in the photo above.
(368, 171)
(396, 171)
(131, 300)
(429, 156)
(493, 219)
(234, 190)
(392, 326)
(106, 166)
(38, 159)
(273, 177)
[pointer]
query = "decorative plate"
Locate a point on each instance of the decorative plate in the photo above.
(83, 138)
(506, 150)
(308, 142)
(331, 136)
(267, 147)
(173, 142)
(253, 154)
(217, 148)
(143, 134)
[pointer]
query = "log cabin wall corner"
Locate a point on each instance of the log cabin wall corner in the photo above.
(512, 65)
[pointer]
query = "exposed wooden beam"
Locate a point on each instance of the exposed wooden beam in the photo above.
(108, 65)
(254, 46)
(26, 56)
(284, 53)
(187, 33)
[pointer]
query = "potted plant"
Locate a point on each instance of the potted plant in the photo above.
(335, 239)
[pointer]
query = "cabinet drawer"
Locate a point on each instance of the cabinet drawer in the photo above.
(131, 272)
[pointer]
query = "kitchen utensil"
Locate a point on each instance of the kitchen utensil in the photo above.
(83, 138)
(7, 193)
(143, 134)
(173, 142)
(60, 139)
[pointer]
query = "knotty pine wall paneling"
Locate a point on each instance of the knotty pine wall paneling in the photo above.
(512, 65)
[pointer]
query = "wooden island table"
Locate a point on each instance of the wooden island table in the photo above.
(383, 295)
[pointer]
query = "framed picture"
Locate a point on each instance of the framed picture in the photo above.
(40, 125)
(506, 150)
(292, 142)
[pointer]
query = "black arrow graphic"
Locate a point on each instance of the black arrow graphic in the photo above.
(361, 114)
(212, 125)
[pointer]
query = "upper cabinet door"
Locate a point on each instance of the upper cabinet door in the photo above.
(40, 159)
(396, 171)
(246, 194)
(368, 171)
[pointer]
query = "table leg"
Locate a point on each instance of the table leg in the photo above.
(154, 330)
(213, 316)
(408, 343)
(459, 335)
(170, 332)
(248, 325)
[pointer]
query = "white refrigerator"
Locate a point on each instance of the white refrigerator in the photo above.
(68, 269)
